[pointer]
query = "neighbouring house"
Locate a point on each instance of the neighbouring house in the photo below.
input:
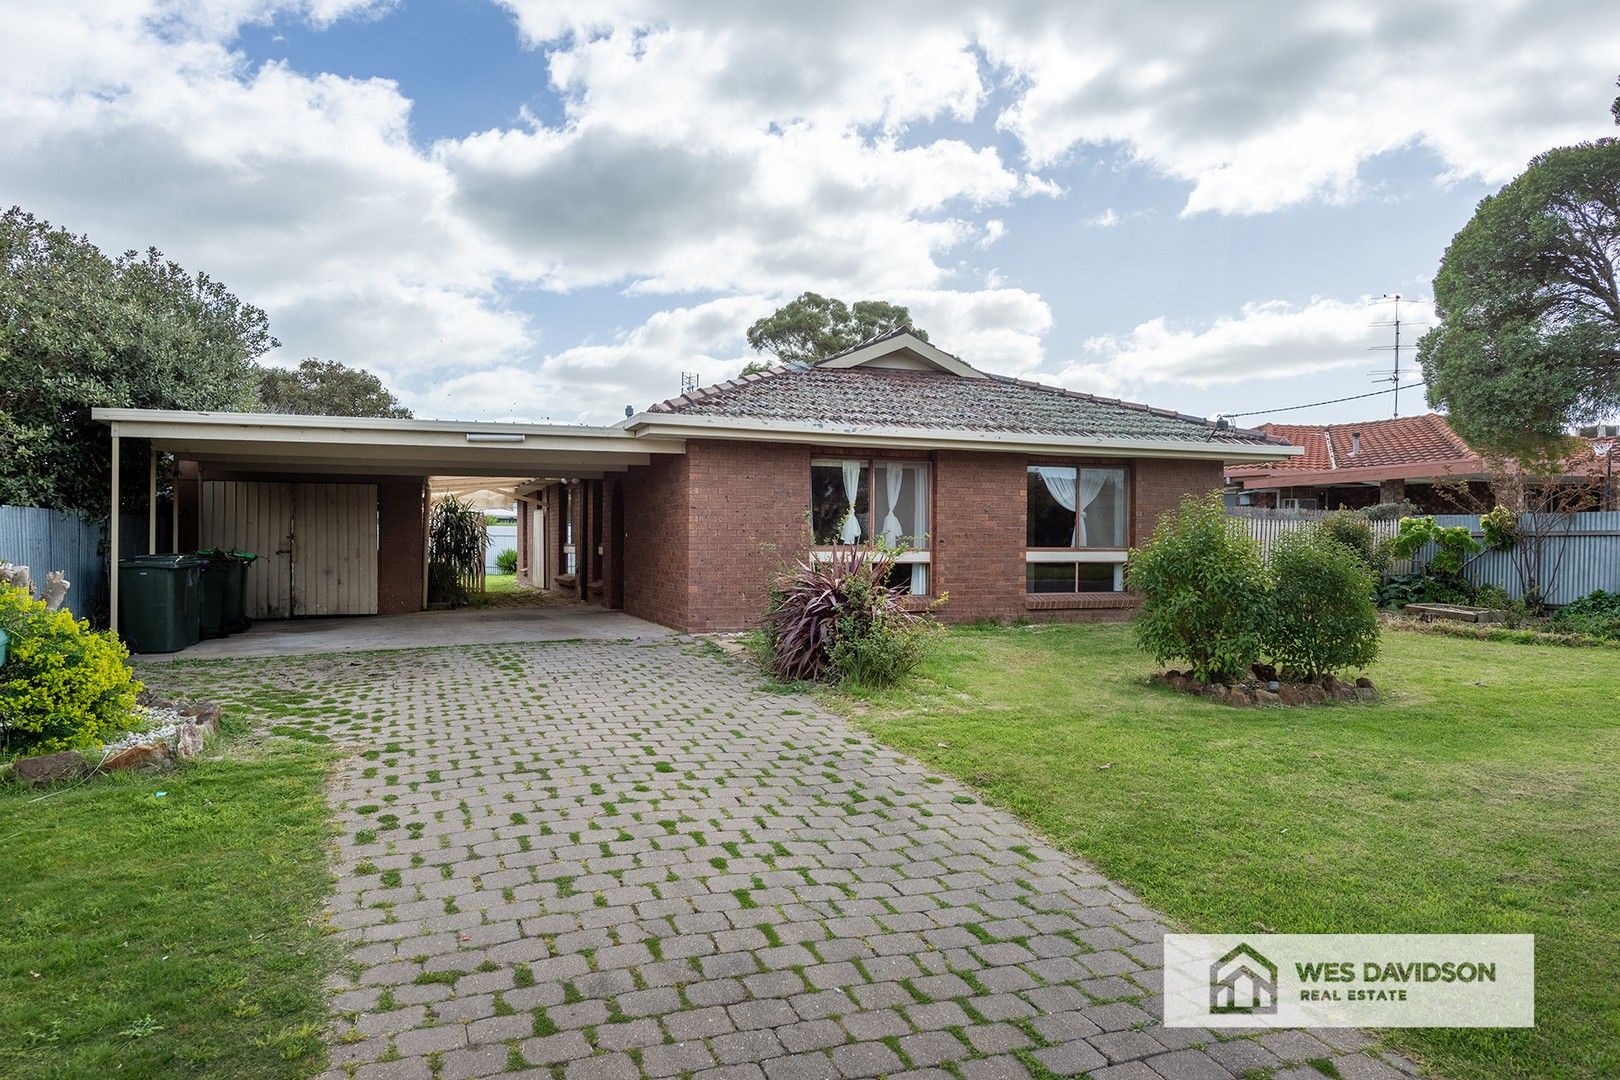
(1419, 459)
(1015, 500)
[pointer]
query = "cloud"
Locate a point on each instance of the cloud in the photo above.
(1263, 341)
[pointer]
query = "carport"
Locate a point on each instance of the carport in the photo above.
(337, 505)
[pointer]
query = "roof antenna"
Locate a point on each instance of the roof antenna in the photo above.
(1394, 375)
(689, 381)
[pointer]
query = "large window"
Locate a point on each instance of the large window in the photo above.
(1075, 533)
(857, 500)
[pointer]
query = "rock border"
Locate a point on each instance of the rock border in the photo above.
(186, 743)
(1266, 688)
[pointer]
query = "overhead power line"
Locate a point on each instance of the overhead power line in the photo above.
(1330, 401)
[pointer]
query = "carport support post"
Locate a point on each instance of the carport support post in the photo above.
(174, 506)
(112, 540)
(151, 500)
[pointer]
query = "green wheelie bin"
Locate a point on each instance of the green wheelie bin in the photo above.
(160, 602)
(225, 591)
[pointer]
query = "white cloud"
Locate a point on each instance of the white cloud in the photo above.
(1265, 340)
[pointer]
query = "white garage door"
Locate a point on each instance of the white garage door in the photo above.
(317, 544)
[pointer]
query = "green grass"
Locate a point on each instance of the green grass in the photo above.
(1481, 796)
(497, 584)
(149, 936)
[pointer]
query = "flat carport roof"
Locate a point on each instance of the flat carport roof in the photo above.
(277, 442)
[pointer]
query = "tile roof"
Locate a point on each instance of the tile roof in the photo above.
(889, 397)
(1421, 442)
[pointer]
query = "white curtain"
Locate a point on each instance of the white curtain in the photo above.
(1060, 485)
(892, 474)
(851, 531)
(1091, 485)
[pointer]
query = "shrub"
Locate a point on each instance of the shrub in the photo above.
(1405, 589)
(1452, 544)
(506, 561)
(1597, 614)
(834, 619)
(1501, 529)
(1205, 591)
(456, 538)
(63, 686)
(1355, 532)
(1323, 619)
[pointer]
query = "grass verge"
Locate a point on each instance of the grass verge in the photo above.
(1481, 796)
(158, 926)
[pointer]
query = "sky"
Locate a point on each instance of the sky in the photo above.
(516, 209)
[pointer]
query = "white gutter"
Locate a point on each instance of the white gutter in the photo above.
(687, 426)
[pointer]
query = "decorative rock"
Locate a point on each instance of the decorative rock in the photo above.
(1343, 692)
(188, 740)
(1266, 697)
(1366, 693)
(1274, 686)
(1364, 683)
(50, 768)
(1314, 694)
(1291, 695)
(1217, 691)
(206, 715)
(145, 756)
(1239, 697)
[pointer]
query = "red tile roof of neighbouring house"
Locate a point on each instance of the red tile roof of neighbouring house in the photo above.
(1415, 446)
(891, 397)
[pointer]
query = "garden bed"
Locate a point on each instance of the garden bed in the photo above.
(171, 731)
(1266, 689)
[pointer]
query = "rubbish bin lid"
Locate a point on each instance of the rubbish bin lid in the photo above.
(167, 562)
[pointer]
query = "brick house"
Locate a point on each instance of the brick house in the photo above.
(1017, 500)
(1416, 458)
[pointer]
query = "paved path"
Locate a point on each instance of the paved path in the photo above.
(618, 860)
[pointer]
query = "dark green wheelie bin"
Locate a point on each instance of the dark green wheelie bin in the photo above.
(160, 602)
(224, 583)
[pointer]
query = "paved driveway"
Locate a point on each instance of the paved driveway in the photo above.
(620, 860)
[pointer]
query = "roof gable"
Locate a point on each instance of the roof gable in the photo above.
(901, 349)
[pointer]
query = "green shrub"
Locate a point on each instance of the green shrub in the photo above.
(456, 539)
(1452, 544)
(1597, 614)
(1404, 589)
(1322, 618)
(63, 686)
(1354, 531)
(876, 642)
(1501, 529)
(1205, 591)
(506, 561)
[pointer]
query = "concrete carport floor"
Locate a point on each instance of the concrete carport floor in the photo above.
(555, 621)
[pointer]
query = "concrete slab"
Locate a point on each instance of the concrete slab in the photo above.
(557, 621)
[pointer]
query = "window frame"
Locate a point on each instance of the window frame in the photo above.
(1090, 554)
(917, 554)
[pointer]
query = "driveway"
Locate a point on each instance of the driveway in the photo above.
(611, 860)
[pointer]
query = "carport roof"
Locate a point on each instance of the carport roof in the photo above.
(278, 442)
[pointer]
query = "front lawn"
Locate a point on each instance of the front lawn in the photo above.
(1482, 796)
(160, 926)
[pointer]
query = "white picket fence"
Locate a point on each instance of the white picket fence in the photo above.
(1580, 554)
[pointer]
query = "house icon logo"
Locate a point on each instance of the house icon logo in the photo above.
(1243, 982)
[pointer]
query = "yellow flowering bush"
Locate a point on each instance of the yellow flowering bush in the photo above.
(63, 686)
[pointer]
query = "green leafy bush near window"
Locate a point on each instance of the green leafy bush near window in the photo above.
(63, 686)
(1322, 614)
(1206, 592)
(1597, 614)
(506, 561)
(833, 619)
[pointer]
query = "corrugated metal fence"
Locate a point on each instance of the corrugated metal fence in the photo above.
(1579, 553)
(45, 540)
(500, 538)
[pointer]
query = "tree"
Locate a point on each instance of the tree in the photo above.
(1529, 338)
(814, 327)
(79, 330)
(755, 367)
(326, 387)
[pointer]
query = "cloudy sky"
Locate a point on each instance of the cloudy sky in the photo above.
(525, 209)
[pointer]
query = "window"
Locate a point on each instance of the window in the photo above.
(857, 500)
(1075, 529)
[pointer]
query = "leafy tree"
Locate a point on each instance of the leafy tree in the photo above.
(1205, 591)
(814, 327)
(1323, 619)
(1529, 337)
(326, 387)
(755, 367)
(79, 330)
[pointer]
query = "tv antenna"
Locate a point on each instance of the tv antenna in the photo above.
(1394, 374)
(690, 381)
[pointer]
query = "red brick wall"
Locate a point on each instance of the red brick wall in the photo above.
(656, 540)
(705, 532)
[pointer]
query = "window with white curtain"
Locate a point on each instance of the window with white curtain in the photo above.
(1075, 529)
(861, 501)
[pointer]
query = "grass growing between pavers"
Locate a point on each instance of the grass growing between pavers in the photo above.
(148, 935)
(1481, 796)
